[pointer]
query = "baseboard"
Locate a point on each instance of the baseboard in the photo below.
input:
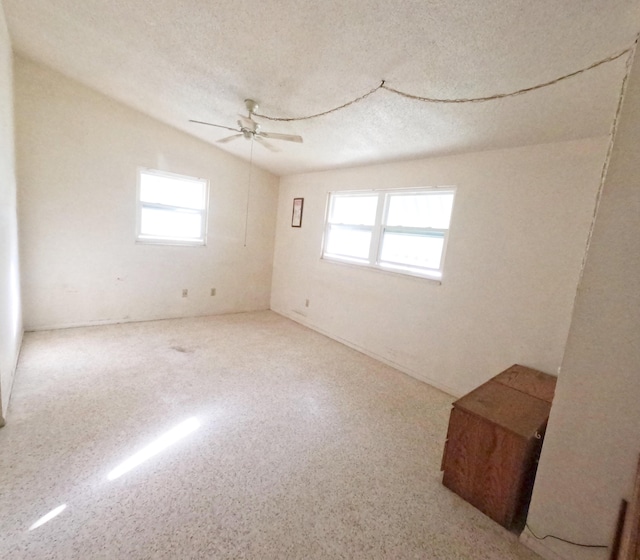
(300, 318)
(62, 326)
(3, 412)
(100, 322)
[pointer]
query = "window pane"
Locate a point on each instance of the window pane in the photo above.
(170, 224)
(172, 191)
(412, 249)
(357, 210)
(348, 242)
(420, 210)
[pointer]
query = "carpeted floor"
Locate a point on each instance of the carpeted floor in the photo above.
(278, 443)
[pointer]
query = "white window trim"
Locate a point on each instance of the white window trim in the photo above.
(377, 230)
(150, 240)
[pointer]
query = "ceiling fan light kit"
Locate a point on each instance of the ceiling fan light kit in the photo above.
(250, 129)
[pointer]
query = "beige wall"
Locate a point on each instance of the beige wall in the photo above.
(10, 312)
(592, 443)
(78, 154)
(518, 232)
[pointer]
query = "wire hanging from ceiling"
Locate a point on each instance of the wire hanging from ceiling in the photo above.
(323, 112)
(511, 93)
(383, 85)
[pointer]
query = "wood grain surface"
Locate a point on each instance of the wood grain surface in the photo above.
(530, 381)
(494, 440)
(509, 408)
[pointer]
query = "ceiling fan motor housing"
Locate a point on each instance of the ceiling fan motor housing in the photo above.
(251, 106)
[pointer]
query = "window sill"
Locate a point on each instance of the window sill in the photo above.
(384, 271)
(170, 242)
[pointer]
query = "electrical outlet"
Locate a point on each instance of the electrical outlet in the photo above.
(306, 303)
(213, 291)
(185, 292)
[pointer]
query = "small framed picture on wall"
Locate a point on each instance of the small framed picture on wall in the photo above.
(296, 216)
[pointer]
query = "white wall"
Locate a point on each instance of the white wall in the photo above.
(78, 153)
(592, 443)
(10, 312)
(518, 232)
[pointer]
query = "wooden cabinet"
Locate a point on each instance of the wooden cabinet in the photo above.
(494, 441)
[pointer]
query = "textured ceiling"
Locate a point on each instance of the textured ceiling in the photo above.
(198, 59)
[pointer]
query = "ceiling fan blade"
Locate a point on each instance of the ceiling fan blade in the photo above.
(229, 138)
(216, 125)
(276, 136)
(265, 143)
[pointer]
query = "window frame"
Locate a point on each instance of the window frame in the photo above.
(201, 241)
(379, 228)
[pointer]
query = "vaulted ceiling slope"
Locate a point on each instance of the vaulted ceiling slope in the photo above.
(199, 59)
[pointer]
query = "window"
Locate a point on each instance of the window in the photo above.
(402, 231)
(172, 209)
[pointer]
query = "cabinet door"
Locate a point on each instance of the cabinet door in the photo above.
(484, 464)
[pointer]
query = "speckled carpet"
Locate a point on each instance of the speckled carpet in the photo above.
(236, 436)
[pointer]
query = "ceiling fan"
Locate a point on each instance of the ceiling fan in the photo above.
(251, 129)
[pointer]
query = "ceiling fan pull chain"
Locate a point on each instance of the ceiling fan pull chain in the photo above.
(246, 216)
